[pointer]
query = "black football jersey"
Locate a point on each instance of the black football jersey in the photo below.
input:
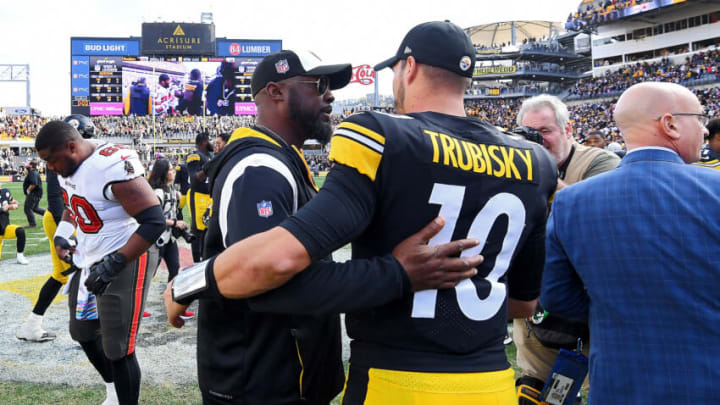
(5, 199)
(709, 158)
(486, 185)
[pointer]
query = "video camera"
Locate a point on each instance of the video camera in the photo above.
(529, 133)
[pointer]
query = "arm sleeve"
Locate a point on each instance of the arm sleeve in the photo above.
(340, 212)
(346, 203)
(324, 287)
(327, 287)
(562, 292)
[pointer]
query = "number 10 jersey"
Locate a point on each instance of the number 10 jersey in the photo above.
(485, 184)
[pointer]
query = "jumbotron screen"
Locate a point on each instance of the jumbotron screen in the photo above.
(110, 77)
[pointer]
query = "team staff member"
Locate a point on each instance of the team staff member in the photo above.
(117, 217)
(182, 182)
(32, 187)
(710, 155)
(259, 180)
(538, 339)
(31, 329)
(199, 195)
(393, 174)
(8, 231)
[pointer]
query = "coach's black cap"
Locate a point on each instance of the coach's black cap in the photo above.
(285, 64)
(437, 43)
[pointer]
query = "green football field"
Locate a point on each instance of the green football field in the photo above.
(37, 242)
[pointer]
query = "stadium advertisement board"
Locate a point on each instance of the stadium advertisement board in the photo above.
(104, 46)
(247, 48)
(178, 39)
(494, 70)
(641, 8)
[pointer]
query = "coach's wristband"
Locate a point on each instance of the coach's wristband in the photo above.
(195, 282)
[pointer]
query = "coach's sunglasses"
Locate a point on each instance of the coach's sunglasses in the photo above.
(323, 84)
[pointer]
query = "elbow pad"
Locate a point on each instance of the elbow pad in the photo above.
(152, 223)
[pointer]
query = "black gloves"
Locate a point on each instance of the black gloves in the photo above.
(105, 272)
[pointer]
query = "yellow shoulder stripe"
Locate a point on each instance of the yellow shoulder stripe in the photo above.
(356, 155)
(193, 158)
(367, 132)
(251, 133)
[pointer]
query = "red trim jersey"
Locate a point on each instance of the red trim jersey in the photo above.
(103, 225)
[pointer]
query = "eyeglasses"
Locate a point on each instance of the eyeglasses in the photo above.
(323, 84)
(702, 118)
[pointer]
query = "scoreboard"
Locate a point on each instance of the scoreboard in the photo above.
(106, 79)
(106, 71)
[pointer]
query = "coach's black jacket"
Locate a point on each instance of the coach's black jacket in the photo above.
(284, 346)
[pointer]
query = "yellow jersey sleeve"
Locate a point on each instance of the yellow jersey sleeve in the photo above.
(358, 143)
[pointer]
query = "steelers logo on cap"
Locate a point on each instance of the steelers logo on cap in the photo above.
(465, 63)
(75, 123)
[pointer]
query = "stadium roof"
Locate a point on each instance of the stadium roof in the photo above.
(513, 32)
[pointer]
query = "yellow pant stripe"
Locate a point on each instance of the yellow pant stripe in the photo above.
(59, 266)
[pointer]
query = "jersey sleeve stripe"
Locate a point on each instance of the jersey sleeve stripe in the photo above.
(364, 131)
(255, 160)
(193, 158)
(350, 153)
(361, 139)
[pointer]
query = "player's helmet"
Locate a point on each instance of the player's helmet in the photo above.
(83, 124)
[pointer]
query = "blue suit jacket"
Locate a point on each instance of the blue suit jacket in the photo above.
(636, 253)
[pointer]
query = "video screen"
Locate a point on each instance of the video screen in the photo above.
(124, 86)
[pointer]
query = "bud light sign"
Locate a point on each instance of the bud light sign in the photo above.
(363, 74)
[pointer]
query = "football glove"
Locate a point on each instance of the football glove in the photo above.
(528, 390)
(105, 272)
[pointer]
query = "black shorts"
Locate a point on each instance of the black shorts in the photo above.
(120, 309)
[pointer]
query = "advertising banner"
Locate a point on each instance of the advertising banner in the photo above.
(178, 39)
(494, 70)
(245, 48)
(245, 109)
(104, 47)
(80, 76)
(363, 74)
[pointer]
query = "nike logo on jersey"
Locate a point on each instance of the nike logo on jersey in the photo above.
(124, 157)
(492, 160)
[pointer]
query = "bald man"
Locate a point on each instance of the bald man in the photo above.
(651, 294)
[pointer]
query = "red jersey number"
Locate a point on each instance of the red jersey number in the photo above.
(86, 217)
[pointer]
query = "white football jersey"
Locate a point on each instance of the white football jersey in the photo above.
(103, 225)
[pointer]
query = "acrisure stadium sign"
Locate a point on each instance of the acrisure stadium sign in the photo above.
(178, 39)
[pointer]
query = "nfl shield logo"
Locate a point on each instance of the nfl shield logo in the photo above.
(282, 66)
(264, 209)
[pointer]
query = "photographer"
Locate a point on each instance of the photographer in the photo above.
(161, 180)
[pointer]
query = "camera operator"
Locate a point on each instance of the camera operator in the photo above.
(161, 180)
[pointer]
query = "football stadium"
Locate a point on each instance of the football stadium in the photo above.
(242, 237)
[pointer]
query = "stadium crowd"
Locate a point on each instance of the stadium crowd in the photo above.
(700, 66)
(591, 13)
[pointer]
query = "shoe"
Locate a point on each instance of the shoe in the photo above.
(21, 259)
(147, 314)
(31, 330)
(187, 315)
(110, 395)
